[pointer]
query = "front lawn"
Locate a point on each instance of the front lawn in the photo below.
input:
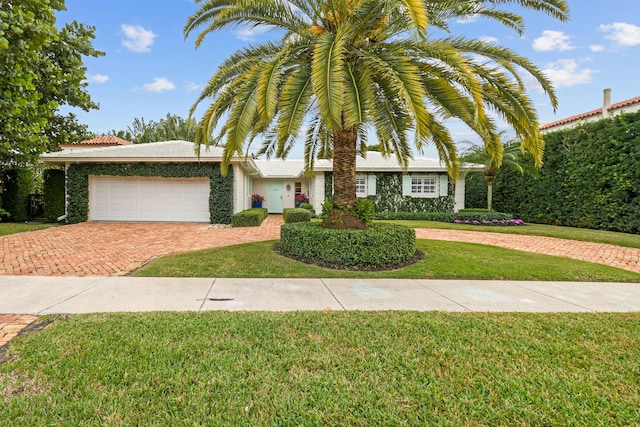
(442, 260)
(325, 368)
(7, 228)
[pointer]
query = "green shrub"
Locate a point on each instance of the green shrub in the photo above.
(308, 207)
(249, 218)
(18, 184)
(365, 210)
(381, 245)
(53, 194)
(292, 215)
(327, 205)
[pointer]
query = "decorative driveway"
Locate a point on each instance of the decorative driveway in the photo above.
(113, 249)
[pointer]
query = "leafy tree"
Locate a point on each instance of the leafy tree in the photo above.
(41, 69)
(343, 66)
(513, 157)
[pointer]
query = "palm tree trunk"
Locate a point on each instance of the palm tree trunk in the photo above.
(489, 195)
(344, 182)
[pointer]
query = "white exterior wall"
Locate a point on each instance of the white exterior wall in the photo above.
(459, 196)
(318, 196)
(239, 189)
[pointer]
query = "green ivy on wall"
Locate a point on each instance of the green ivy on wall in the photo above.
(220, 198)
(389, 196)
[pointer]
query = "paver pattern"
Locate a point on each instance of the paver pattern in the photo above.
(12, 324)
(615, 256)
(107, 249)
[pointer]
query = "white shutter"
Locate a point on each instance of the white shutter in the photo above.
(371, 185)
(444, 185)
(406, 185)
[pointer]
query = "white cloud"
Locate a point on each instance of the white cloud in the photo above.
(622, 33)
(249, 34)
(470, 19)
(159, 84)
(97, 78)
(137, 39)
(192, 87)
(489, 39)
(566, 72)
(552, 40)
(596, 48)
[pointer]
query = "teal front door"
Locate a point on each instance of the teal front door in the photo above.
(274, 198)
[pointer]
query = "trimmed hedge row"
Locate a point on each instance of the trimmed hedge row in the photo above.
(590, 179)
(249, 218)
(292, 215)
(18, 184)
(379, 246)
(53, 194)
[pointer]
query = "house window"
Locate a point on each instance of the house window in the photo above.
(361, 185)
(424, 186)
(298, 188)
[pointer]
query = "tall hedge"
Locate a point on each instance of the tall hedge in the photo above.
(53, 194)
(590, 178)
(18, 184)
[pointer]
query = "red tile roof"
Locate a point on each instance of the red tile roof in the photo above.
(612, 107)
(104, 140)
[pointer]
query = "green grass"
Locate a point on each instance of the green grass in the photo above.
(571, 233)
(325, 368)
(443, 260)
(7, 228)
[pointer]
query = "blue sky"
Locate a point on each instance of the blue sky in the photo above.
(150, 69)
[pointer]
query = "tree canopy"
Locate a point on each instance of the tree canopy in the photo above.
(41, 69)
(343, 67)
(171, 127)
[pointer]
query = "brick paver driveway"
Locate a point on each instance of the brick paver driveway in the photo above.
(100, 248)
(105, 249)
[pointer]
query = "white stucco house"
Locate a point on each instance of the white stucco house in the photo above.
(607, 110)
(168, 181)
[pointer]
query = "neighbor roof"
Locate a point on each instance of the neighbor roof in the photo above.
(102, 140)
(596, 112)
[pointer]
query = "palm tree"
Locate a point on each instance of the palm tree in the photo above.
(512, 157)
(342, 67)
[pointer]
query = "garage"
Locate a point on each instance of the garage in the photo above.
(116, 198)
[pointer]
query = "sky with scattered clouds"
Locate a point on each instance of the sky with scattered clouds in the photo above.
(150, 70)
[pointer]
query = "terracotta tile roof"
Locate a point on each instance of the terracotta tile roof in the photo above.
(612, 107)
(105, 140)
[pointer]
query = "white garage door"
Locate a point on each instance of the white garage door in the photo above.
(113, 198)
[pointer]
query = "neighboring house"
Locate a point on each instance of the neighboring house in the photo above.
(98, 141)
(608, 110)
(168, 181)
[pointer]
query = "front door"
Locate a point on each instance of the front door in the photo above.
(274, 198)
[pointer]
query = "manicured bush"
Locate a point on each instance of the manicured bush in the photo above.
(365, 210)
(292, 215)
(53, 194)
(249, 218)
(308, 207)
(380, 246)
(18, 184)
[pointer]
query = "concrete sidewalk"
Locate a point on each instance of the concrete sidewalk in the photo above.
(50, 295)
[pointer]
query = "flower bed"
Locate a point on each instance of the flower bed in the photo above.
(499, 222)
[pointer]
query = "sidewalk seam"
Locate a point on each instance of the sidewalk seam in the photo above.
(333, 295)
(204, 300)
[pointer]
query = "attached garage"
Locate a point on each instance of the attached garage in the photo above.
(117, 198)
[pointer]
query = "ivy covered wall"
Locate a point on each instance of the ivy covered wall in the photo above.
(220, 198)
(389, 198)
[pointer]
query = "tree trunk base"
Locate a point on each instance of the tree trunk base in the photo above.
(343, 219)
